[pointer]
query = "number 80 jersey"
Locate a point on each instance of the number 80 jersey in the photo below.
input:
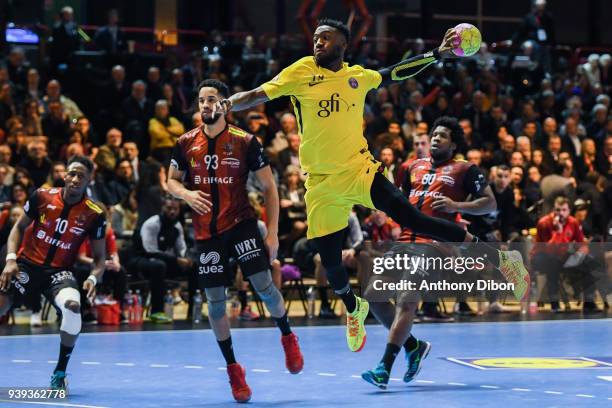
(219, 166)
(58, 230)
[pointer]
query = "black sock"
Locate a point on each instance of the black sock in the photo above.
(411, 344)
(389, 356)
(283, 324)
(227, 350)
(64, 356)
(323, 296)
(349, 299)
(242, 297)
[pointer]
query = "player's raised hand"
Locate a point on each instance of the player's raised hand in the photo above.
(450, 38)
(198, 201)
(271, 242)
(222, 106)
(9, 272)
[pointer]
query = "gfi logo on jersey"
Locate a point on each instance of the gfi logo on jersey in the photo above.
(332, 105)
(213, 259)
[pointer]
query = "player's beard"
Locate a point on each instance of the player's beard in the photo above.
(326, 60)
(210, 120)
(438, 155)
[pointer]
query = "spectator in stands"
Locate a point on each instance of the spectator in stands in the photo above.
(591, 70)
(531, 192)
(123, 182)
(114, 93)
(19, 194)
(56, 176)
(65, 39)
(164, 130)
(549, 254)
(162, 250)
(37, 163)
(523, 145)
(290, 155)
(391, 165)
(17, 66)
(54, 94)
(111, 38)
(571, 137)
(292, 224)
(55, 125)
(472, 138)
(154, 84)
(125, 215)
(5, 160)
(33, 89)
(23, 177)
(109, 153)
(130, 151)
(504, 155)
(288, 125)
(136, 112)
(5, 191)
(32, 123)
(598, 122)
(90, 139)
(604, 158)
(149, 191)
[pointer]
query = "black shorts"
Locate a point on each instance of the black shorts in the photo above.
(32, 280)
(243, 242)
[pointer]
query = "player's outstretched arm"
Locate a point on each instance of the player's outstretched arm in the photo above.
(265, 177)
(242, 100)
(12, 245)
(412, 66)
(196, 199)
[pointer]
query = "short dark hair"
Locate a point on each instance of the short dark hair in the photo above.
(221, 87)
(85, 161)
(451, 123)
(338, 25)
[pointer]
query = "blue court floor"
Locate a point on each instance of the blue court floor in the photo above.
(185, 368)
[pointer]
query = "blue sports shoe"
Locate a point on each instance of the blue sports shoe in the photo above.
(415, 360)
(58, 381)
(378, 376)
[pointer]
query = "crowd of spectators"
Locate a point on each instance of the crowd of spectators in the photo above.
(536, 130)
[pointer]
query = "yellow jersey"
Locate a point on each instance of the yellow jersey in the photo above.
(329, 111)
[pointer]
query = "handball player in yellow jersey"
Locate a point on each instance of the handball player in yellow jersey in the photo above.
(329, 96)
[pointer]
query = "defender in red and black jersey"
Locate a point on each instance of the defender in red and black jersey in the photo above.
(55, 223)
(209, 170)
(438, 186)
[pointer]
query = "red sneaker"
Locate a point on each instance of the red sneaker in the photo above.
(240, 389)
(294, 361)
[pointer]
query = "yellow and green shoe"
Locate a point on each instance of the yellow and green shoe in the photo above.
(355, 327)
(512, 267)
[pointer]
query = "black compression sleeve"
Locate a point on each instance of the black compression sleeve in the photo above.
(409, 67)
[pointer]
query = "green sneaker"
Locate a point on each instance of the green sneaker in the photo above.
(59, 382)
(415, 360)
(378, 376)
(160, 318)
(512, 267)
(355, 328)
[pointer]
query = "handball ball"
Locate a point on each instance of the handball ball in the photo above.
(467, 41)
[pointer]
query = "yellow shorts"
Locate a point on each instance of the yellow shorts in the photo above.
(331, 197)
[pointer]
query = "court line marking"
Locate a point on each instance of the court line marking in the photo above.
(596, 361)
(327, 374)
(465, 363)
(371, 326)
(59, 404)
(259, 370)
(91, 363)
(125, 364)
(159, 365)
(585, 395)
(192, 366)
(355, 376)
(522, 389)
(458, 384)
(425, 381)
(51, 362)
(392, 379)
(553, 392)
(21, 361)
(493, 387)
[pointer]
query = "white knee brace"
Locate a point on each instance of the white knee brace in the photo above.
(71, 321)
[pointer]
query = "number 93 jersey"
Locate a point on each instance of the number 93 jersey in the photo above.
(220, 167)
(58, 230)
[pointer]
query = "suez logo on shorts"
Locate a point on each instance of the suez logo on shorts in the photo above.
(209, 263)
